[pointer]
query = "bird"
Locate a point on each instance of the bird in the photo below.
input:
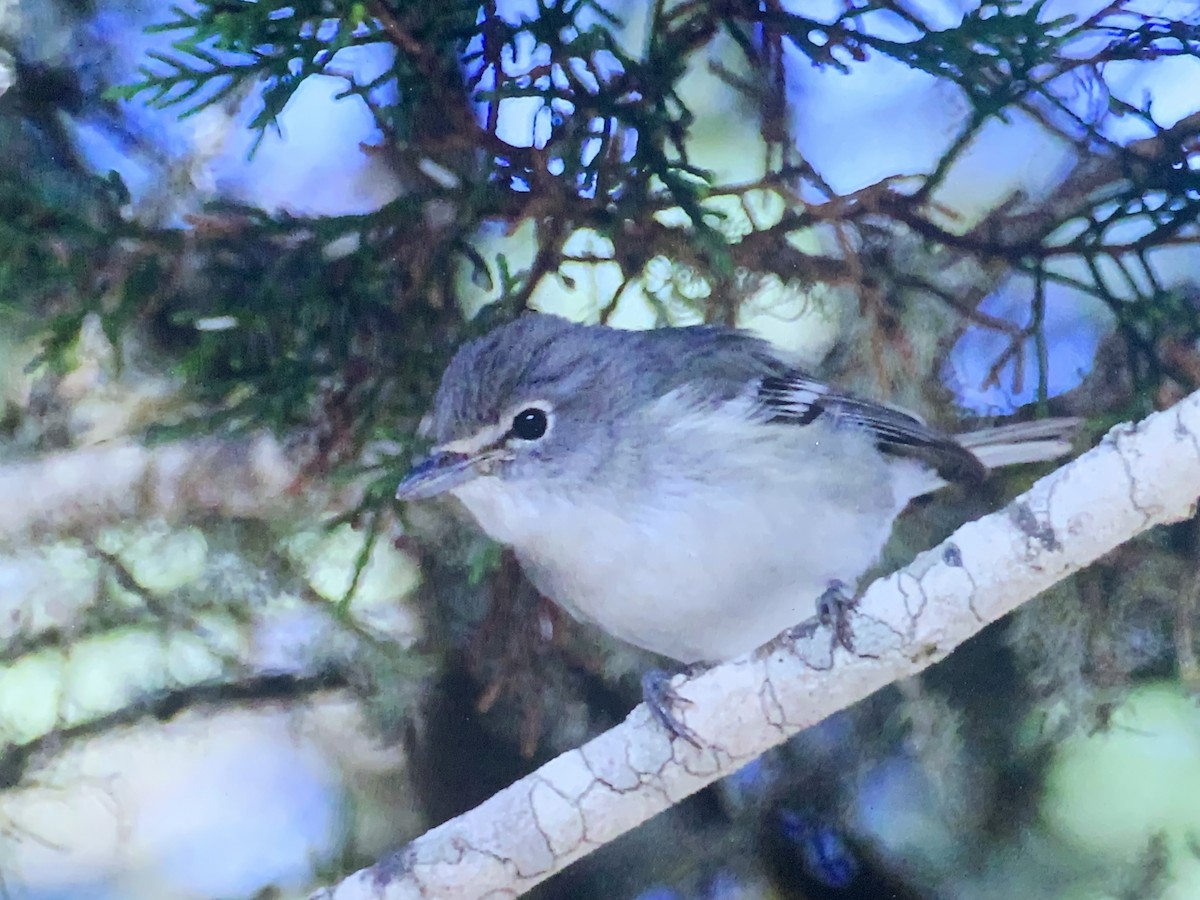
(691, 490)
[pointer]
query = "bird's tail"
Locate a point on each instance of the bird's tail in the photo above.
(1022, 442)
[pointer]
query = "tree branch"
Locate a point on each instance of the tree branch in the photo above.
(17, 759)
(1139, 476)
(83, 489)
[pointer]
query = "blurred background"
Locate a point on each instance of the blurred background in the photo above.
(238, 242)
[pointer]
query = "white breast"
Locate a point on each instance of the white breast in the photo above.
(701, 569)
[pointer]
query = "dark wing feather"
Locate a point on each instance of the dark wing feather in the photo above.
(798, 399)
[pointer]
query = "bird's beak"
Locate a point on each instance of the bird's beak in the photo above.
(441, 471)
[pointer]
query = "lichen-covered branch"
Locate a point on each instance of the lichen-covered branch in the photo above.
(1141, 475)
(80, 490)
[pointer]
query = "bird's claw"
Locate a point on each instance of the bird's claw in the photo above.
(833, 607)
(661, 697)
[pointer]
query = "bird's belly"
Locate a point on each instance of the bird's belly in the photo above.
(691, 568)
(694, 587)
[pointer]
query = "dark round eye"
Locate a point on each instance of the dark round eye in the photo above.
(529, 424)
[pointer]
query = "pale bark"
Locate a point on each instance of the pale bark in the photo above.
(81, 490)
(1138, 477)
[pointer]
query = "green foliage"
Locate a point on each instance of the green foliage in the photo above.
(343, 324)
(993, 55)
(229, 46)
(41, 278)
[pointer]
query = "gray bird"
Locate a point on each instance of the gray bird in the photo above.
(688, 490)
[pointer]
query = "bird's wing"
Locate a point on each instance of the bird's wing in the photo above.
(796, 398)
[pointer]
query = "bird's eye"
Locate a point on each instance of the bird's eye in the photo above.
(529, 424)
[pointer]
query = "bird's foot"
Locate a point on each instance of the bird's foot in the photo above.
(660, 695)
(833, 608)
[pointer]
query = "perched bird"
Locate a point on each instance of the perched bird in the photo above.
(688, 490)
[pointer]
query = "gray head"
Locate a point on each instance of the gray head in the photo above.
(542, 394)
